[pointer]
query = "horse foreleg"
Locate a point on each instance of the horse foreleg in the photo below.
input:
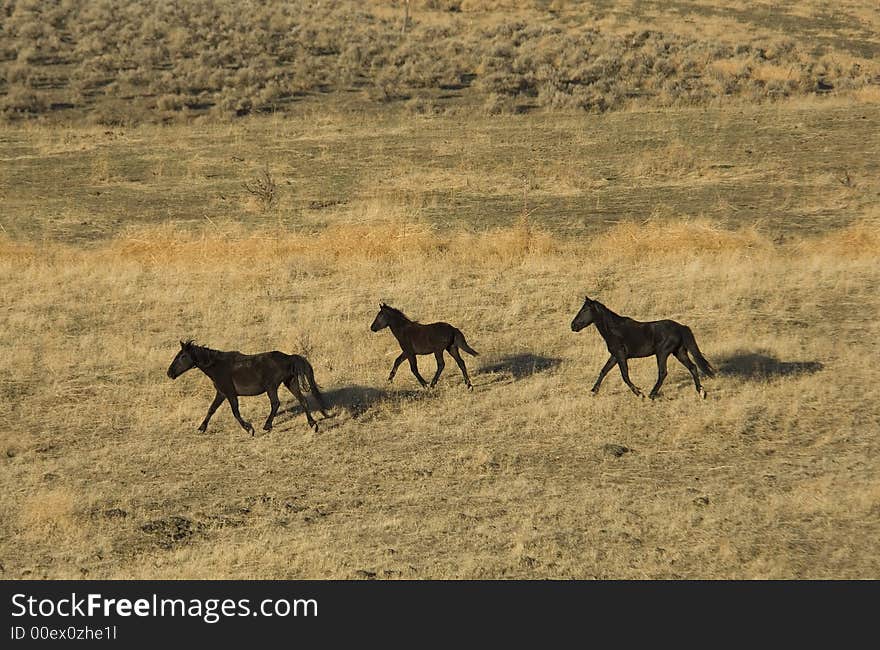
(275, 402)
(624, 372)
(218, 400)
(233, 404)
(682, 355)
(415, 370)
(453, 350)
(397, 362)
(661, 373)
(612, 361)
(440, 365)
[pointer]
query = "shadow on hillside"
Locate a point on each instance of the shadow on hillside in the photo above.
(756, 365)
(520, 365)
(357, 400)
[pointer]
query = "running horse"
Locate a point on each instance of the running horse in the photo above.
(415, 338)
(627, 338)
(234, 374)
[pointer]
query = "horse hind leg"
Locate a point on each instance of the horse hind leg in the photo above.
(275, 402)
(682, 355)
(661, 374)
(313, 387)
(440, 365)
(453, 350)
(293, 387)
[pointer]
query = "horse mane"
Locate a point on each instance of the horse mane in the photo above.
(608, 317)
(203, 355)
(398, 313)
(605, 309)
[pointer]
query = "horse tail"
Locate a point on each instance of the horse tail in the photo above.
(304, 375)
(691, 344)
(461, 343)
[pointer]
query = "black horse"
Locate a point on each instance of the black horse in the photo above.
(627, 338)
(415, 338)
(234, 374)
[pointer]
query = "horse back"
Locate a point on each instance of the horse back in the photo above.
(667, 334)
(644, 338)
(430, 337)
(252, 374)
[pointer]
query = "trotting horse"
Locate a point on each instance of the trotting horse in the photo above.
(415, 338)
(627, 338)
(234, 374)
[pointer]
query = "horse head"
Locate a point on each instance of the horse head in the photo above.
(381, 321)
(586, 316)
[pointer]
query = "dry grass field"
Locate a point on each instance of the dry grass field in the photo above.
(754, 220)
(120, 63)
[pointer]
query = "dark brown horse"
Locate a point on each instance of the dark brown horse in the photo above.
(415, 338)
(234, 374)
(627, 338)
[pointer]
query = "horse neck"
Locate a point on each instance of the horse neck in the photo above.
(397, 322)
(204, 358)
(606, 320)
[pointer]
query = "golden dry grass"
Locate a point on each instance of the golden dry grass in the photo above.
(713, 163)
(774, 476)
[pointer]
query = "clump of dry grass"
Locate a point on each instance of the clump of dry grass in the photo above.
(392, 239)
(687, 236)
(859, 239)
(263, 189)
(170, 244)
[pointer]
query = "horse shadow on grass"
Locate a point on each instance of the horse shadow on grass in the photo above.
(520, 366)
(357, 400)
(756, 366)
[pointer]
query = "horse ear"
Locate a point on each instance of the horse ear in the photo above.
(182, 345)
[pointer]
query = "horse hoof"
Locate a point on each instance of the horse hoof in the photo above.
(703, 393)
